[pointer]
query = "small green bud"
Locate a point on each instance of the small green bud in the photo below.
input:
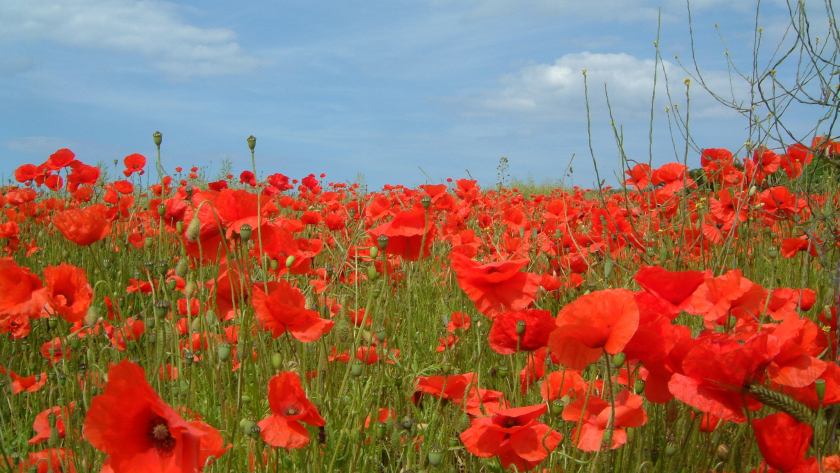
(618, 359)
(372, 273)
(182, 268)
(274, 264)
(639, 386)
(374, 252)
(608, 268)
(290, 261)
(276, 361)
(193, 230)
(819, 385)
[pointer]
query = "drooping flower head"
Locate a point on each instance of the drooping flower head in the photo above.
(289, 407)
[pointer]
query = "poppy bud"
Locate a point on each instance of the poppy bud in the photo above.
(252, 142)
(723, 452)
(520, 327)
(618, 359)
(435, 455)
(819, 385)
(52, 322)
(372, 273)
(245, 232)
(374, 252)
(223, 352)
(92, 316)
(162, 210)
(247, 425)
(274, 264)
(382, 242)
(671, 411)
(246, 399)
(381, 430)
(426, 201)
(182, 268)
(356, 367)
(381, 334)
(193, 230)
(631, 435)
(608, 268)
(290, 261)
(276, 361)
(446, 368)
(158, 138)
(179, 226)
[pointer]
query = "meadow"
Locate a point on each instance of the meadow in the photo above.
(686, 321)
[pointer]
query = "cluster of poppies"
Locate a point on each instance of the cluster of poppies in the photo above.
(634, 325)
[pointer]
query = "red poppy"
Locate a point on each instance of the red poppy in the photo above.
(729, 293)
(514, 435)
(67, 291)
(458, 320)
(138, 430)
(51, 460)
(83, 226)
(26, 173)
(29, 384)
(284, 308)
(60, 159)
(671, 287)
(596, 414)
(20, 290)
(289, 407)
(247, 177)
(716, 371)
(524, 330)
(639, 176)
(41, 425)
(495, 287)
(782, 440)
(406, 233)
(592, 324)
(134, 163)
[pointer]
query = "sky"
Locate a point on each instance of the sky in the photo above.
(381, 91)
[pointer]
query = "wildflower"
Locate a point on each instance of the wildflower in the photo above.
(67, 291)
(281, 307)
(289, 407)
(494, 287)
(83, 226)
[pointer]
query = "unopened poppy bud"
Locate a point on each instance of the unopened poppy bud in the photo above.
(374, 252)
(52, 322)
(246, 399)
(382, 242)
(193, 230)
(372, 273)
(356, 367)
(608, 268)
(435, 455)
(520, 327)
(290, 261)
(182, 268)
(92, 316)
(618, 359)
(274, 264)
(188, 189)
(276, 361)
(426, 201)
(245, 232)
(671, 411)
(819, 386)
(723, 452)
(252, 142)
(158, 138)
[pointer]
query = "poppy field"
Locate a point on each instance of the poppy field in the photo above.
(684, 321)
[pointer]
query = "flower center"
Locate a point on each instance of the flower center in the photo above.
(292, 411)
(159, 435)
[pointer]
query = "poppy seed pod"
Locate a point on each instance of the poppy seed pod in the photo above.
(252, 142)
(618, 359)
(245, 232)
(276, 361)
(179, 226)
(162, 308)
(382, 242)
(374, 252)
(819, 386)
(223, 352)
(193, 230)
(158, 138)
(435, 455)
(426, 201)
(356, 367)
(162, 210)
(520, 327)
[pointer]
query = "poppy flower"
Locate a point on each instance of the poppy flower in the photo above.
(289, 407)
(514, 435)
(28, 384)
(134, 163)
(83, 226)
(283, 308)
(247, 177)
(525, 330)
(67, 291)
(592, 324)
(671, 287)
(26, 173)
(495, 287)
(406, 233)
(782, 440)
(596, 414)
(138, 430)
(639, 176)
(20, 291)
(42, 428)
(60, 159)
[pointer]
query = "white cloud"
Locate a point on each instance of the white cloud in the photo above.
(150, 28)
(551, 92)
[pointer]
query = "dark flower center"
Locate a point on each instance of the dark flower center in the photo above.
(510, 422)
(159, 435)
(292, 411)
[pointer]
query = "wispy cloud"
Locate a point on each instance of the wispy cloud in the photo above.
(152, 29)
(44, 145)
(549, 92)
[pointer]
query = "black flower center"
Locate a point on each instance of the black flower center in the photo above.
(159, 435)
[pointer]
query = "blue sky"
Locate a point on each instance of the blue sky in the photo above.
(377, 88)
